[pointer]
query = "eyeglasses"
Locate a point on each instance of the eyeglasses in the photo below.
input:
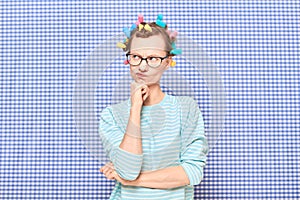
(152, 61)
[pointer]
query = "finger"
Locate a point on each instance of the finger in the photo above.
(111, 176)
(107, 172)
(145, 89)
(145, 96)
(111, 166)
(142, 88)
(108, 164)
(136, 91)
(102, 168)
(116, 176)
(135, 86)
(106, 169)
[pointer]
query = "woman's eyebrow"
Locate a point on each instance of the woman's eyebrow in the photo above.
(154, 55)
(137, 54)
(151, 55)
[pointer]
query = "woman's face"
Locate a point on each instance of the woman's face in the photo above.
(152, 46)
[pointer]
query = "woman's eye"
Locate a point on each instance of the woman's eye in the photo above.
(135, 57)
(153, 58)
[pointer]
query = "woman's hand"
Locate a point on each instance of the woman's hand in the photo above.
(108, 170)
(139, 93)
(110, 173)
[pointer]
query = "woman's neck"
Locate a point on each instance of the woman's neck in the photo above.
(155, 95)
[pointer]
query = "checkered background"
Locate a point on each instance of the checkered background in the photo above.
(255, 46)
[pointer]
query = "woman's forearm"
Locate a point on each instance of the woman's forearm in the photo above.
(170, 177)
(132, 140)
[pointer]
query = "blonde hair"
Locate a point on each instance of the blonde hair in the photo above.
(156, 30)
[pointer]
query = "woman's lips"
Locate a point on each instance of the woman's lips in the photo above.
(141, 75)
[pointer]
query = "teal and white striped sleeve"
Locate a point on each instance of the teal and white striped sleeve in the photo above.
(194, 146)
(127, 164)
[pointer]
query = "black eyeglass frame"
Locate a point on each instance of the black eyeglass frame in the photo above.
(161, 59)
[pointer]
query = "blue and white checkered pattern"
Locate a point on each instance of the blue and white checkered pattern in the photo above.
(255, 45)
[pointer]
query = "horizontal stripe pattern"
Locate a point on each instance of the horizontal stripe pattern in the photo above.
(127, 165)
(172, 134)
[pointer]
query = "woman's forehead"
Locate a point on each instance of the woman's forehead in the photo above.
(149, 51)
(155, 43)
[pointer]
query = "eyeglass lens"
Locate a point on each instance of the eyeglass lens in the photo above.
(151, 61)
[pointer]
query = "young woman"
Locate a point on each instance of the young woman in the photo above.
(155, 141)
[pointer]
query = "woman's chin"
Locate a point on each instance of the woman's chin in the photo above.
(140, 81)
(145, 81)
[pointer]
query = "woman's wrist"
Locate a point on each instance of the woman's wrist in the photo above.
(136, 108)
(131, 183)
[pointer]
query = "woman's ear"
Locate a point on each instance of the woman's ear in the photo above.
(168, 61)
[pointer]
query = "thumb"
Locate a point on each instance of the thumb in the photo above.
(134, 86)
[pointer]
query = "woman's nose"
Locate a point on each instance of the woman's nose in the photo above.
(143, 66)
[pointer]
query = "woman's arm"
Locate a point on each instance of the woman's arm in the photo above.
(126, 163)
(124, 149)
(132, 140)
(167, 178)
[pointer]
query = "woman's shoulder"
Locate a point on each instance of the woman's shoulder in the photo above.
(186, 104)
(183, 100)
(118, 106)
(116, 111)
